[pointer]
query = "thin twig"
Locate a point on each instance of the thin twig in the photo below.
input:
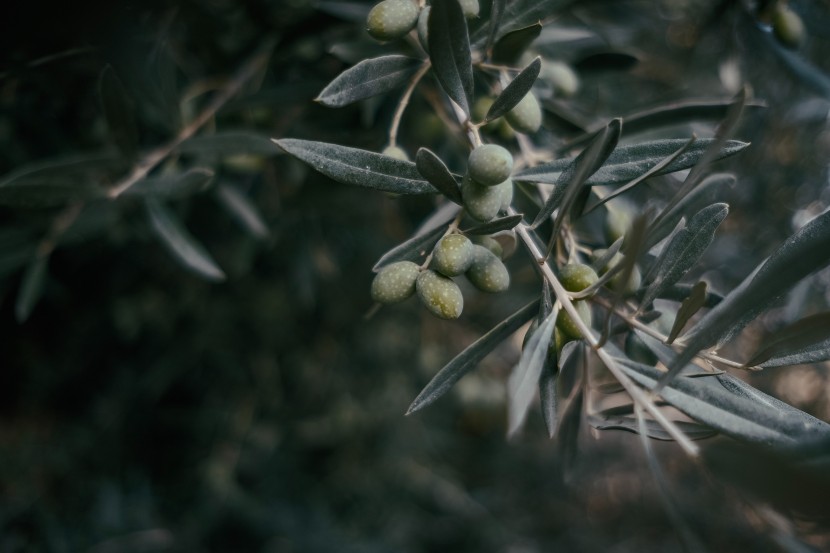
(155, 157)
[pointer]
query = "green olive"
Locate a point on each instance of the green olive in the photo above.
(440, 295)
(487, 272)
(481, 202)
(453, 255)
(568, 327)
(490, 164)
(395, 282)
(576, 277)
(392, 19)
(526, 116)
(787, 26)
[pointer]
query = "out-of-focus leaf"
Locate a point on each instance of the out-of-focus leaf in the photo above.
(708, 191)
(449, 51)
(605, 61)
(414, 249)
(229, 143)
(575, 175)
(39, 192)
(31, 286)
(805, 341)
(684, 250)
(358, 167)
(496, 13)
(243, 210)
(567, 438)
(650, 173)
(679, 292)
(518, 14)
(692, 430)
(523, 381)
(470, 357)
(628, 162)
(512, 45)
(15, 256)
(515, 91)
(803, 253)
(177, 185)
(707, 401)
(504, 223)
(547, 394)
(687, 309)
(119, 112)
(185, 249)
(368, 78)
(433, 170)
(355, 12)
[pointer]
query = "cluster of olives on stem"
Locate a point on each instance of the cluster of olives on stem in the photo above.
(454, 255)
(487, 188)
(393, 19)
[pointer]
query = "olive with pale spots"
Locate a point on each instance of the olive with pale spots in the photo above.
(487, 272)
(506, 190)
(526, 116)
(566, 324)
(439, 294)
(395, 282)
(491, 244)
(392, 19)
(481, 202)
(490, 164)
(576, 277)
(616, 283)
(452, 255)
(395, 152)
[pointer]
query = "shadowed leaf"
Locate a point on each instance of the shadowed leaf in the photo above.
(515, 91)
(512, 45)
(31, 287)
(172, 186)
(687, 309)
(229, 143)
(119, 112)
(449, 51)
(805, 341)
(185, 249)
(414, 249)
(653, 429)
(433, 170)
(243, 210)
(470, 357)
(496, 225)
(518, 14)
(368, 78)
(496, 12)
(358, 167)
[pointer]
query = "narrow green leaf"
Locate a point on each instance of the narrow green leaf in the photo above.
(692, 430)
(470, 357)
(547, 394)
(185, 249)
(449, 51)
(684, 250)
(414, 249)
(509, 48)
(243, 210)
(433, 170)
(368, 78)
(579, 171)
(496, 13)
(504, 223)
(515, 91)
(518, 14)
(64, 167)
(119, 112)
(229, 143)
(358, 167)
(803, 253)
(679, 292)
(177, 185)
(523, 381)
(710, 190)
(687, 309)
(628, 162)
(805, 341)
(567, 438)
(31, 286)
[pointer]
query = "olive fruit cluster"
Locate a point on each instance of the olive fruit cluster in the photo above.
(575, 277)
(452, 256)
(392, 19)
(487, 187)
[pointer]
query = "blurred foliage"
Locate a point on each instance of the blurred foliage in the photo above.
(142, 409)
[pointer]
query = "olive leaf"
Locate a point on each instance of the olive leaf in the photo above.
(358, 167)
(523, 381)
(496, 225)
(496, 12)
(509, 48)
(243, 210)
(449, 51)
(470, 357)
(176, 185)
(628, 162)
(414, 249)
(368, 78)
(547, 395)
(184, 248)
(515, 91)
(653, 429)
(803, 253)
(31, 286)
(684, 250)
(805, 341)
(433, 170)
(567, 437)
(679, 292)
(119, 112)
(516, 15)
(687, 310)
(229, 143)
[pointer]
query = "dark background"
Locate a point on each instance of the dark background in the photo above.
(142, 409)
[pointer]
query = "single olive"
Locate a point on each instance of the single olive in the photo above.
(576, 277)
(526, 116)
(470, 8)
(487, 272)
(395, 282)
(395, 152)
(561, 77)
(568, 327)
(453, 255)
(392, 19)
(439, 294)
(491, 244)
(490, 164)
(481, 202)
(787, 26)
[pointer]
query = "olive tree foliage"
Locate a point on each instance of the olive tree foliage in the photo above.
(618, 308)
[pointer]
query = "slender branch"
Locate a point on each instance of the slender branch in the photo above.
(396, 119)
(143, 167)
